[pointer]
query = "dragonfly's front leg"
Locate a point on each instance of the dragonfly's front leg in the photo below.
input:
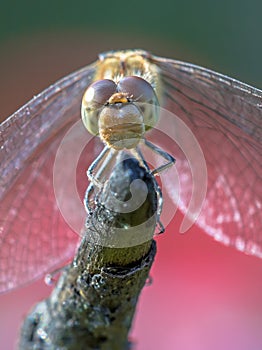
(170, 160)
(95, 178)
(88, 198)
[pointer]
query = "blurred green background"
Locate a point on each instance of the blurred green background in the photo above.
(42, 40)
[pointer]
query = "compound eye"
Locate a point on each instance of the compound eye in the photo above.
(138, 88)
(95, 97)
(98, 93)
(143, 95)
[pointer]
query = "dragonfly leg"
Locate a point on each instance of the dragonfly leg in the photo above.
(105, 157)
(88, 198)
(170, 160)
(94, 179)
(160, 226)
(138, 154)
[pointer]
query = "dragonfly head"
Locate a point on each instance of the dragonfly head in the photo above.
(120, 112)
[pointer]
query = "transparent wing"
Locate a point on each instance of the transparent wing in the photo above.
(226, 118)
(33, 235)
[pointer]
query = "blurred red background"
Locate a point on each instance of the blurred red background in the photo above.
(204, 295)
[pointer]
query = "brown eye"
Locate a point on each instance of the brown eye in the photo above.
(98, 93)
(139, 88)
(94, 98)
(143, 95)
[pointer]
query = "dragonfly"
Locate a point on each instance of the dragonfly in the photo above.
(209, 122)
